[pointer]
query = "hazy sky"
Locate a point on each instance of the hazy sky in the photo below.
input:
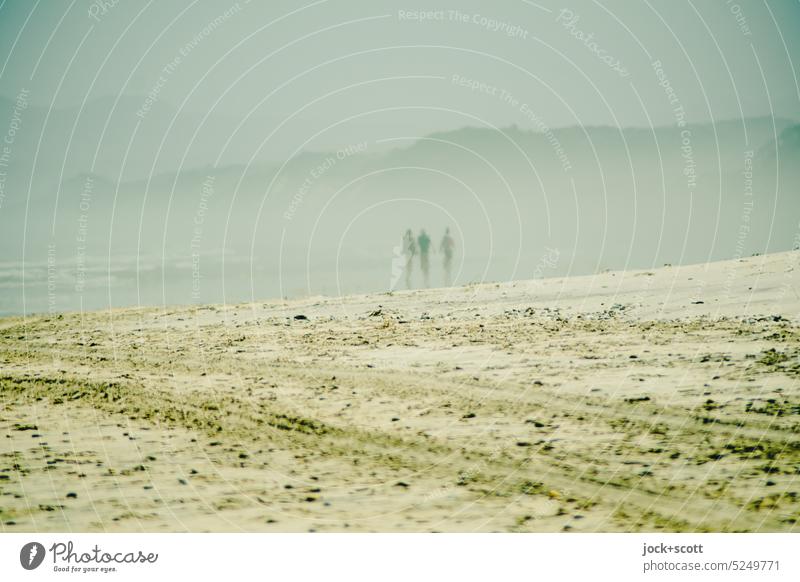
(573, 62)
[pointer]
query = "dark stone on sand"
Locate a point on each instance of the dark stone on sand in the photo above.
(23, 427)
(637, 399)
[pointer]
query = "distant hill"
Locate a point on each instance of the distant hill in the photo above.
(603, 197)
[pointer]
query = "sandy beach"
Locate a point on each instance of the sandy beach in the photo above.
(658, 400)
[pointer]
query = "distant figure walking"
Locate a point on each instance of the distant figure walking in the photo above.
(409, 251)
(424, 243)
(447, 247)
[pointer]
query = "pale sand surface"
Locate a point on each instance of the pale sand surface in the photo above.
(629, 401)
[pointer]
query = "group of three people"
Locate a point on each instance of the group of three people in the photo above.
(422, 245)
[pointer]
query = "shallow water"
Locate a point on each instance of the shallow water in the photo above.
(39, 287)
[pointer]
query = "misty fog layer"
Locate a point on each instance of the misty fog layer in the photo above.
(252, 152)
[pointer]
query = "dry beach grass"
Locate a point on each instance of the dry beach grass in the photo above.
(630, 401)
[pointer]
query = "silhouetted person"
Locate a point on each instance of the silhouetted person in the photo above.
(447, 246)
(409, 250)
(424, 243)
